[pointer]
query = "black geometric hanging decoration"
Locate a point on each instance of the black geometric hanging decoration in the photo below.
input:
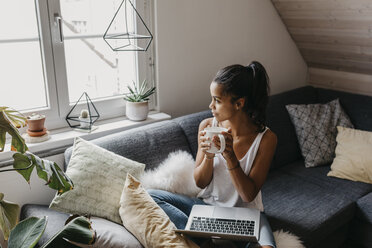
(83, 114)
(127, 30)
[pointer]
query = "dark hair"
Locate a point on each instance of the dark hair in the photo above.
(250, 82)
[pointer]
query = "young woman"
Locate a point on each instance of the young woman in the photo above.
(234, 177)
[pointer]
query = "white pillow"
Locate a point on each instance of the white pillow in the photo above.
(174, 174)
(98, 176)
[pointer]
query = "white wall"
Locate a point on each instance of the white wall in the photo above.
(195, 38)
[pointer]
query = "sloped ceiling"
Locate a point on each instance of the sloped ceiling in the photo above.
(335, 35)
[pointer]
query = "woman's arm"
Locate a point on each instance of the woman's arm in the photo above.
(203, 171)
(248, 186)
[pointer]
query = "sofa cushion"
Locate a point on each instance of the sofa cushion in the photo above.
(279, 122)
(148, 144)
(146, 220)
(353, 159)
(361, 226)
(315, 126)
(306, 209)
(357, 107)
(109, 234)
(318, 176)
(98, 177)
(364, 208)
(360, 234)
(190, 126)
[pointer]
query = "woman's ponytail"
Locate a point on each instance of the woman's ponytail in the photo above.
(259, 95)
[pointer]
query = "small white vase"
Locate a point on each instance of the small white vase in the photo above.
(137, 111)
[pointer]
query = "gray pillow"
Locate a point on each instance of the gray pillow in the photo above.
(315, 126)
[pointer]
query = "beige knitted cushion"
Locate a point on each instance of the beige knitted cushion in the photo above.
(98, 176)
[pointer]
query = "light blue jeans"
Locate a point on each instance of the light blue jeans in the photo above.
(178, 208)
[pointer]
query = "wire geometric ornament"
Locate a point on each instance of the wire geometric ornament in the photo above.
(134, 36)
(73, 116)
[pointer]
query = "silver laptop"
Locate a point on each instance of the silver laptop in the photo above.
(223, 223)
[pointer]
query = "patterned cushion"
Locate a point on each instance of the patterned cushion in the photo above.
(315, 126)
(98, 176)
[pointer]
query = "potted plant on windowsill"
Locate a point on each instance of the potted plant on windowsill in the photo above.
(137, 105)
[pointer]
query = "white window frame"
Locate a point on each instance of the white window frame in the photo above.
(55, 75)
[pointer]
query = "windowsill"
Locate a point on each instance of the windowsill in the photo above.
(64, 137)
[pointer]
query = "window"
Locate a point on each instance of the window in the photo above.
(20, 52)
(52, 51)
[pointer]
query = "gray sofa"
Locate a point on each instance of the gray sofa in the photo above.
(323, 211)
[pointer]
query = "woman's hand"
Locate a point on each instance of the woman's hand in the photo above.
(205, 144)
(228, 153)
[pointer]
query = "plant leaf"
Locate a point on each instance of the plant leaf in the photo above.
(148, 93)
(15, 117)
(27, 233)
(79, 230)
(21, 161)
(18, 143)
(135, 87)
(53, 175)
(2, 139)
(139, 94)
(131, 90)
(18, 121)
(9, 215)
(47, 170)
(143, 87)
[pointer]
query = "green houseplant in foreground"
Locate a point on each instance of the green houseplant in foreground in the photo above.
(137, 107)
(27, 233)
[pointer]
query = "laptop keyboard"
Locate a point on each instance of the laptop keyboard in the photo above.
(228, 226)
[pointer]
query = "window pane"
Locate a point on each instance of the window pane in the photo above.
(91, 65)
(21, 78)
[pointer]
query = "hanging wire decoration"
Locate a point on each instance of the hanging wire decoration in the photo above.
(74, 118)
(134, 37)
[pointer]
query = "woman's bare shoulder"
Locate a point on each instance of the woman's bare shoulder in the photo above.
(269, 138)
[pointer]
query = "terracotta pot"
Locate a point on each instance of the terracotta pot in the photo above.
(36, 125)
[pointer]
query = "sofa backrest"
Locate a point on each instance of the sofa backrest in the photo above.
(357, 107)
(278, 121)
(149, 144)
(152, 143)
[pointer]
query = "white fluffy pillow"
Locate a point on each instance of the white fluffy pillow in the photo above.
(174, 174)
(285, 239)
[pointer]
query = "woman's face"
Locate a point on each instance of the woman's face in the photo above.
(221, 105)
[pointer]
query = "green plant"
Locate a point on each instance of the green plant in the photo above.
(139, 93)
(31, 229)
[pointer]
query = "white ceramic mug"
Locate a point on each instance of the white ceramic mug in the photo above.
(215, 131)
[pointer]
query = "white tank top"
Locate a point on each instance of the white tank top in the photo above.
(221, 191)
